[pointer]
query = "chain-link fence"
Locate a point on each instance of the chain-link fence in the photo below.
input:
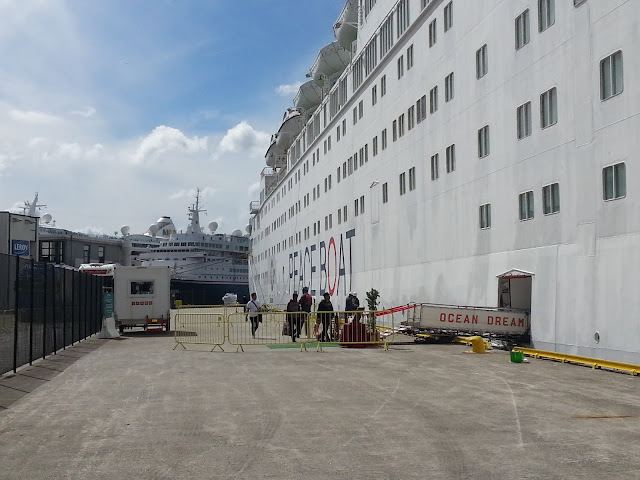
(44, 308)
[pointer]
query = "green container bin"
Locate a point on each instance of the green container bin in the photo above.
(517, 356)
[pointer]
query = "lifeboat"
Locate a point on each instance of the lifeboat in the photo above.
(292, 125)
(346, 27)
(309, 97)
(275, 156)
(331, 62)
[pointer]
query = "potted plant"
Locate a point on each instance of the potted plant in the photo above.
(372, 303)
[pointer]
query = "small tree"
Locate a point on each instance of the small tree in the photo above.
(372, 303)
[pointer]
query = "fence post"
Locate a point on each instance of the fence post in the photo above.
(64, 309)
(92, 284)
(53, 310)
(16, 316)
(31, 317)
(86, 301)
(44, 312)
(73, 305)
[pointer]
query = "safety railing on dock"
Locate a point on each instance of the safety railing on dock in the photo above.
(215, 327)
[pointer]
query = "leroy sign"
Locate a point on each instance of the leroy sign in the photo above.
(20, 248)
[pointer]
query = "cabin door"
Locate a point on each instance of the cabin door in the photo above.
(514, 290)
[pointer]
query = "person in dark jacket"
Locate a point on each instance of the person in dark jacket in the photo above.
(293, 307)
(306, 302)
(325, 309)
(348, 308)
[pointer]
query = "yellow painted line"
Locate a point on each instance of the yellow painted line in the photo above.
(592, 362)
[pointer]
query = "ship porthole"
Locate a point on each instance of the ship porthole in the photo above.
(596, 337)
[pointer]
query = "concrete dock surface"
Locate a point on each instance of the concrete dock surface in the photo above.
(136, 408)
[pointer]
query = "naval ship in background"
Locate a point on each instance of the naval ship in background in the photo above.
(466, 153)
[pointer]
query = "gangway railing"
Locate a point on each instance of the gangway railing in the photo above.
(469, 319)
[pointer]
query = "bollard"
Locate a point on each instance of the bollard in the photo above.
(477, 344)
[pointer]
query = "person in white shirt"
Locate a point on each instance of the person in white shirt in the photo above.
(253, 307)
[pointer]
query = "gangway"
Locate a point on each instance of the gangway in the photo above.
(454, 319)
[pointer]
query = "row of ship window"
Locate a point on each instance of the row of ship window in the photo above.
(613, 187)
(611, 84)
(546, 18)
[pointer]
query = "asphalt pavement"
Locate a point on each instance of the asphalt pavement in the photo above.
(136, 408)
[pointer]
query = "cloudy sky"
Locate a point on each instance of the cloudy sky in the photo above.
(115, 111)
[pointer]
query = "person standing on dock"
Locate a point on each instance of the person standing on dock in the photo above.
(348, 308)
(293, 307)
(253, 307)
(306, 303)
(325, 308)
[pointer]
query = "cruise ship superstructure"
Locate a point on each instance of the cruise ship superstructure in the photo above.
(466, 153)
(204, 266)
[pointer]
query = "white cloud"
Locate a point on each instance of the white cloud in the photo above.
(33, 117)
(190, 194)
(288, 90)
(243, 138)
(253, 189)
(86, 112)
(73, 134)
(165, 139)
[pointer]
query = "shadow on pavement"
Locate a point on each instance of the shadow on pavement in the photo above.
(14, 386)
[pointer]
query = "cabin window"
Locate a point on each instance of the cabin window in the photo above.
(549, 108)
(524, 120)
(525, 203)
(522, 29)
(451, 158)
(434, 167)
(614, 182)
(448, 88)
(482, 62)
(546, 14)
(485, 216)
(611, 76)
(551, 199)
(448, 16)
(141, 288)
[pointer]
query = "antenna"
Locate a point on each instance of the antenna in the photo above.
(30, 207)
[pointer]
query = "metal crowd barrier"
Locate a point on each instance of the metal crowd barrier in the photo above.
(200, 329)
(350, 329)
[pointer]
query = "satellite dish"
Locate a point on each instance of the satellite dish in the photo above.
(247, 228)
(153, 229)
(237, 233)
(125, 230)
(213, 226)
(46, 218)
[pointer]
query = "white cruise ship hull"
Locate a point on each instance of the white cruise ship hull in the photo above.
(556, 166)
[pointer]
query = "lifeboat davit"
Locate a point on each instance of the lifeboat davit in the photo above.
(331, 62)
(309, 97)
(346, 27)
(291, 126)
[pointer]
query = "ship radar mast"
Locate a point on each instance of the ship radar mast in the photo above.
(194, 215)
(30, 208)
